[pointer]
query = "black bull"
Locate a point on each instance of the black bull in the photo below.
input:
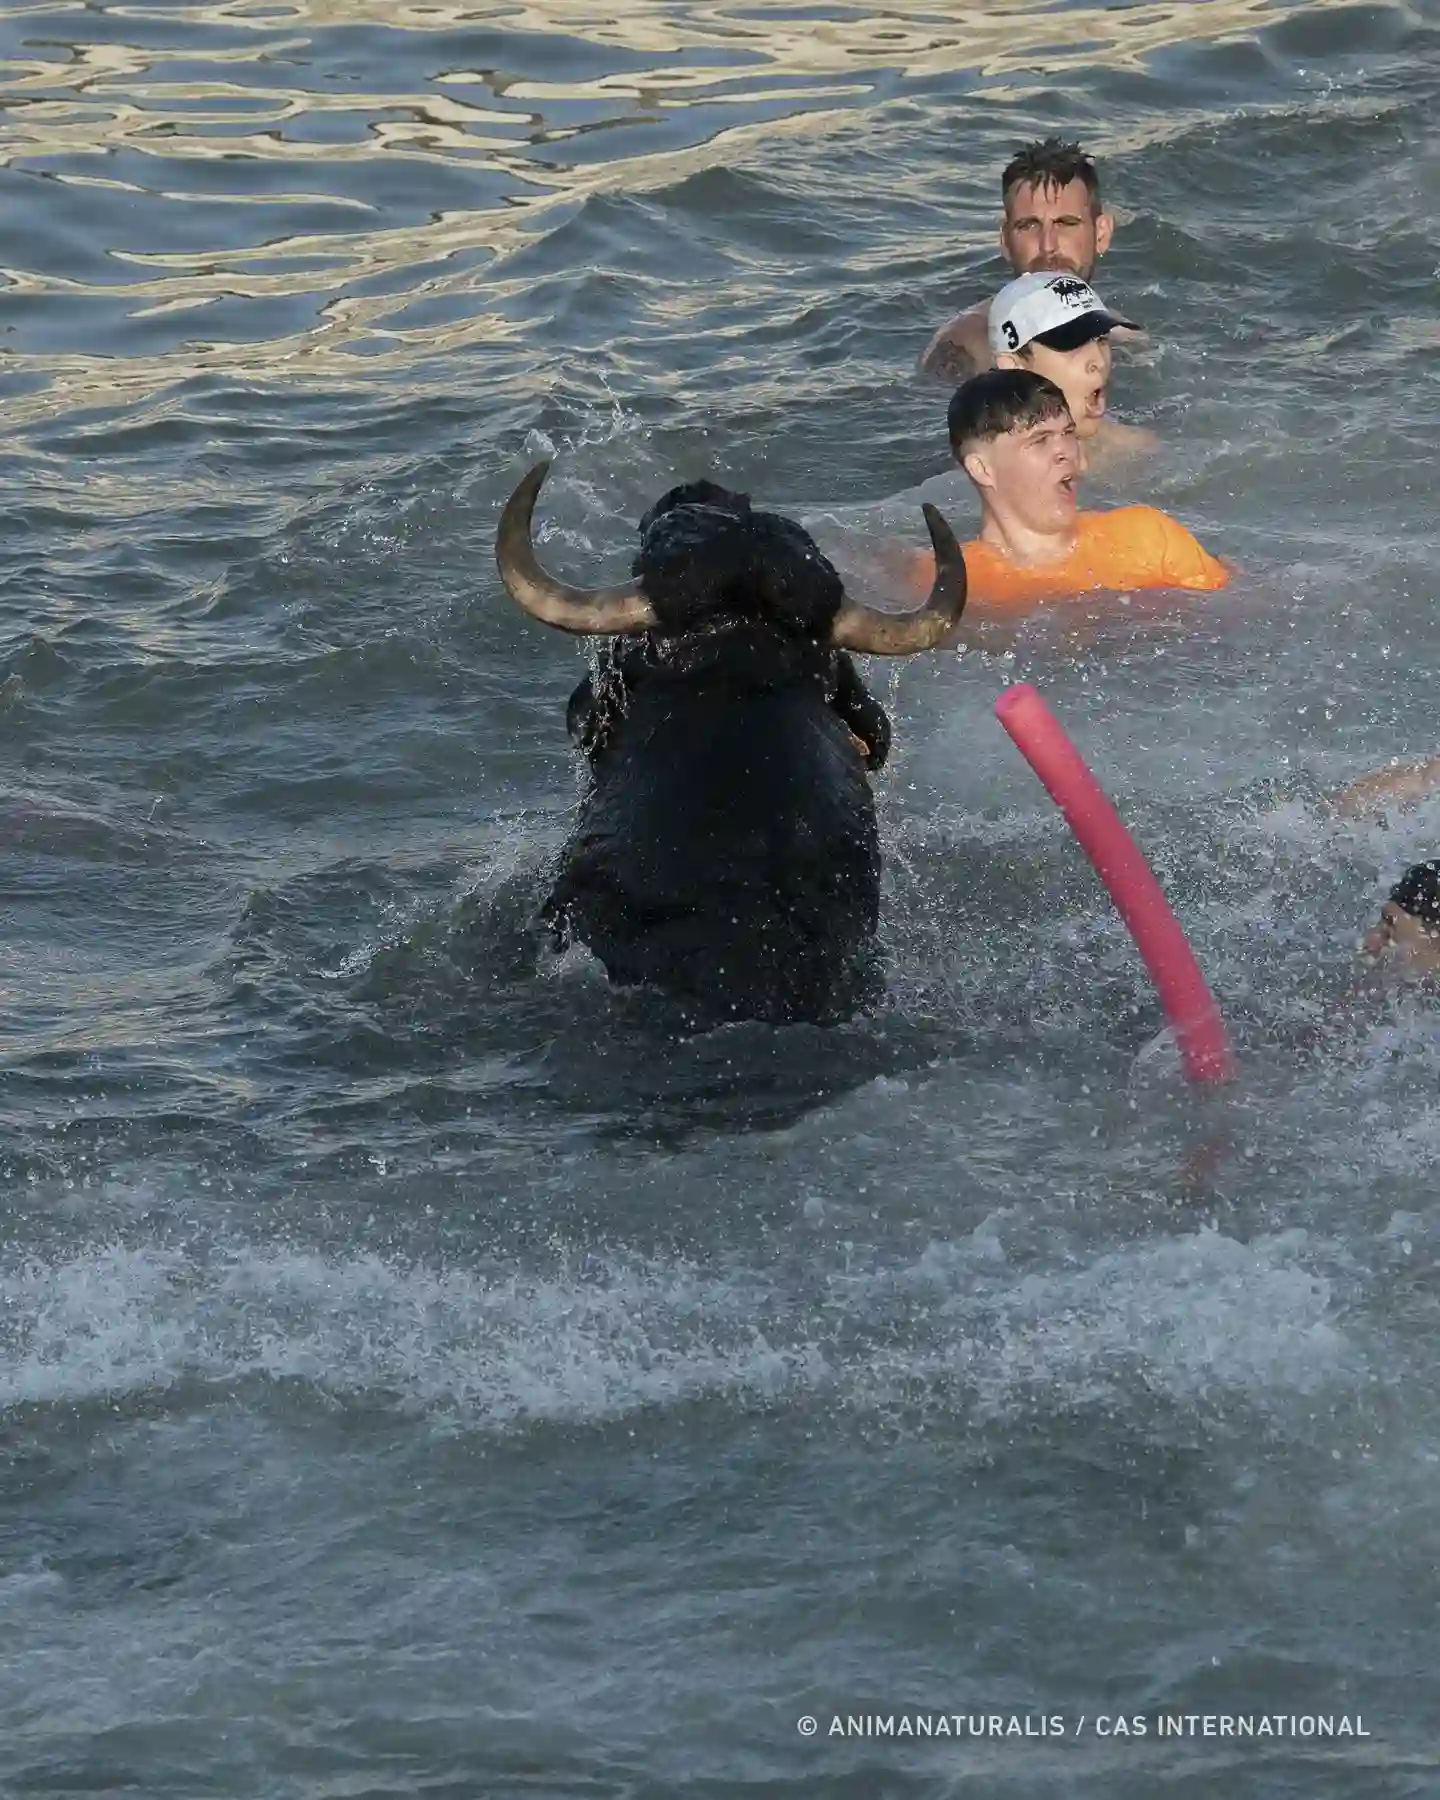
(727, 849)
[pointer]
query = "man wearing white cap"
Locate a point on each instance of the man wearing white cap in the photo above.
(1059, 327)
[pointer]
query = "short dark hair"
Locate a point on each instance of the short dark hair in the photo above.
(1001, 401)
(1417, 892)
(1051, 162)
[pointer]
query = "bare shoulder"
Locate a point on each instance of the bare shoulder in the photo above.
(1116, 444)
(1400, 784)
(1132, 438)
(959, 349)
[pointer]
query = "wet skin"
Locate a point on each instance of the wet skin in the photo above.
(1082, 375)
(1054, 228)
(1404, 942)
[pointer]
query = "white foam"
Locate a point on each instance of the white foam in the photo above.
(620, 1335)
(99, 1324)
(595, 1338)
(1186, 1317)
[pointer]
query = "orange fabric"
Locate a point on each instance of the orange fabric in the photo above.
(1131, 547)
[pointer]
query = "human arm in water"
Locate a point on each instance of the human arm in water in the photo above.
(1115, 447)
(1403, 783)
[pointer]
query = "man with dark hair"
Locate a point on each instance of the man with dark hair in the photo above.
(1053, 220)
(1012, 433)
(1072, 231)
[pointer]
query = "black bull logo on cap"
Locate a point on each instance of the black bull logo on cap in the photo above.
(726, 848)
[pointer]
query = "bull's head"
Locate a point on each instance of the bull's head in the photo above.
(705, 555)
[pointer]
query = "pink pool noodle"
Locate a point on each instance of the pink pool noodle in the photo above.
(1188, 1002)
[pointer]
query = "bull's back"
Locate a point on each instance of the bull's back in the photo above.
(757, 787)
(729, 837)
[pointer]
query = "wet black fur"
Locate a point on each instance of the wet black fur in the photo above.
(727, 848)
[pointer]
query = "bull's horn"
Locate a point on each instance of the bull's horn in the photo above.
(587, 611)
(876, 633)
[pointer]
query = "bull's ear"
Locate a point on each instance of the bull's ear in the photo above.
(875, 633)
(589, 612)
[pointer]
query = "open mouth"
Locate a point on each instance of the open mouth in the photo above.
(1067, 487)
(1096, 403)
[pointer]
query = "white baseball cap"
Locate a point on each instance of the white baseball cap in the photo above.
(1061, 310)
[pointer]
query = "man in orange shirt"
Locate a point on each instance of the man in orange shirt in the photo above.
(1013, 435)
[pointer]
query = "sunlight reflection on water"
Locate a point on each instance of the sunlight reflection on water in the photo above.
(334, 187)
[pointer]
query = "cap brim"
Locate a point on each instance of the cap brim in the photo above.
(1075, 332)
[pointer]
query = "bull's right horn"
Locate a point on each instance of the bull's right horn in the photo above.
(876, 633)
(587, 611)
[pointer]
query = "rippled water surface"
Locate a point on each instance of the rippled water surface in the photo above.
(425, 1371)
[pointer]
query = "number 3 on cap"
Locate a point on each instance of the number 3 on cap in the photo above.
(1012, 336)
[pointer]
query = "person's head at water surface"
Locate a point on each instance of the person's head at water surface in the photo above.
(1012, 433)
(1054, 219)
(1059, 327)
(1407, 933)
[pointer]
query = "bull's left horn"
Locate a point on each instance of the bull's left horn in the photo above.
(876, 633)
(586, 611)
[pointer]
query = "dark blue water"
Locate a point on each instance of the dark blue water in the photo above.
(425, 1371)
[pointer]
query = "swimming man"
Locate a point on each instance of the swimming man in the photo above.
(1053, 220)
(1013, 434)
